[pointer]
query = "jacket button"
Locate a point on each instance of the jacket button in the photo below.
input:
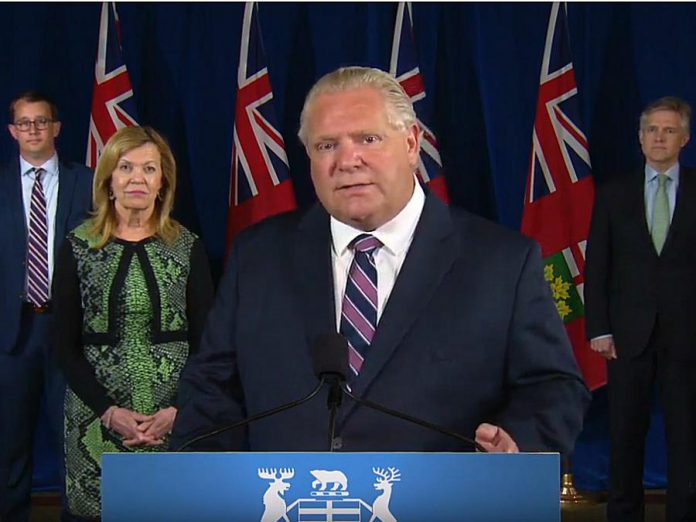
(337, 443)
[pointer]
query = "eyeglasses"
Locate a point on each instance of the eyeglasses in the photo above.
(41, 123)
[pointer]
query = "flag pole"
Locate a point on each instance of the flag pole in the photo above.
(404, 67)
(558, 204)
(569, 493)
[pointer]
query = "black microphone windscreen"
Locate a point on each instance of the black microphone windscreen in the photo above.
(330, 355)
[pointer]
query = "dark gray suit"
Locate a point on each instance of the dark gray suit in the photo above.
(469, 334)
(647, 302)
(27, 369)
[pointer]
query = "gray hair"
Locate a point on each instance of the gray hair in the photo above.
(668, 103)
(400, 113)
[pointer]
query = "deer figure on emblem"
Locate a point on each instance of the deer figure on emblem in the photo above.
(273, 501)
(380, 507)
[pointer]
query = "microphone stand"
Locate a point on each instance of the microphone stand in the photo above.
(256, 417)
(333, 401)
(414, 420)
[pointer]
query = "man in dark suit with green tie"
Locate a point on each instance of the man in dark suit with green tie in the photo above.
(641, 312)
(41, 199)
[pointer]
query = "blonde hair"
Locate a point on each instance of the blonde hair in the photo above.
(104, 221)
(400, 113)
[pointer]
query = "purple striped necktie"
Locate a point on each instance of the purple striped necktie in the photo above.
(359, 308)
(37, 245)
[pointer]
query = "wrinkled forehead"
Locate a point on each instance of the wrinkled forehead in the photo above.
(359, 108)
(142, 153)
(353, 105)
(663, 118)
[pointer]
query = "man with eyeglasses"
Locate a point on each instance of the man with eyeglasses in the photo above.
(41, 199)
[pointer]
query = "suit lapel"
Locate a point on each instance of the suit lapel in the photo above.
(432, 252)
(635, 200)
(12, 188)
(683, 206)
(313, 274)
(66, 188)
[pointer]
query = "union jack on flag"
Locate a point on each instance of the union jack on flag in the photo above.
(260, 184)
(113, 106)
(560, 191)
(404, 67)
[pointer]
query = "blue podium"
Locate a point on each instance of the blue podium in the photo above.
(370, 487)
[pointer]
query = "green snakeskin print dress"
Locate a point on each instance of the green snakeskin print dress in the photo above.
(135, 338)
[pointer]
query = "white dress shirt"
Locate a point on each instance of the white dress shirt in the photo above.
(396, 236)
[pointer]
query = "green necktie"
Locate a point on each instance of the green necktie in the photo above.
(660, 221)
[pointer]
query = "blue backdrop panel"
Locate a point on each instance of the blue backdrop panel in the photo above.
(480, 62)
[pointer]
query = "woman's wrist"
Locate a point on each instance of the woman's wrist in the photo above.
(107, 416)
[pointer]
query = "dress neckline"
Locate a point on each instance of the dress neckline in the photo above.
(127, 242)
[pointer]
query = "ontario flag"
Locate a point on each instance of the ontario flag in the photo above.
(113, 106)
(560, 191)
(260, 184)
(404, 67)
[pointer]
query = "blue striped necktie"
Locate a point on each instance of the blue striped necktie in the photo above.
(37, 244)
(359, 308)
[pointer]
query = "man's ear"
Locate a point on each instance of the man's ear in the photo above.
(413, 137)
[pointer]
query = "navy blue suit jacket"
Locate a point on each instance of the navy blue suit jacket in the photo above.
(74, 201)
(469, 334)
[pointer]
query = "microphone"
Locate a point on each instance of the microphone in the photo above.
(337, 347)
(325, 367)
(330, 364)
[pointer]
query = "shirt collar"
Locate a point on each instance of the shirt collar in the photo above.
(672, 173)
(50, 166)
(395, 234)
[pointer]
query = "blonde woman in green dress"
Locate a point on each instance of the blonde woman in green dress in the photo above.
(132, 289)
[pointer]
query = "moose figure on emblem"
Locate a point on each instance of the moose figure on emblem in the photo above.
(273, 501)
(380, 507)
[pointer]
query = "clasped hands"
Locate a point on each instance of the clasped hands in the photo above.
(137, 429)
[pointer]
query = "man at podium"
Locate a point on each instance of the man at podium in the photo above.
(447, 316)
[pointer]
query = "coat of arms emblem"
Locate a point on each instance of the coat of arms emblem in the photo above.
(329, 497)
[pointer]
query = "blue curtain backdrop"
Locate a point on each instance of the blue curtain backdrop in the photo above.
(480, 63)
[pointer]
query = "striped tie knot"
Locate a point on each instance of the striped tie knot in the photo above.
(38, 174)
(365, 243)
